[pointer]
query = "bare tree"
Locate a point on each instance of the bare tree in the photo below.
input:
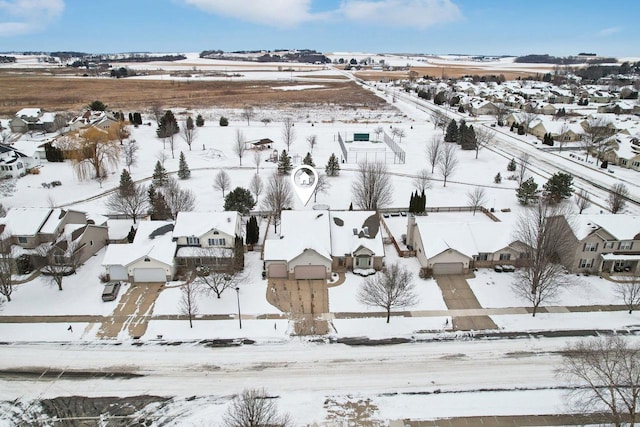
(439, 120)
(629, 292)
(372, 188)
(500, 112)
(188, 300)
(598, 137)
(161, 156)
(484, 137)
(132, 204)
(288, 132)
(401, 134)
(422, 181)
(257, 159)
(582, 199)
(238, 146)
(253, 408)
(189, 131)
(59, 260)
(394, 133)
(94, 154)
(130, 153)
(562, 138)
(178, 199)
(222, 182)
(476, 198)
(389, 289)
(158, 111)
(448, 161)
(256, 186)
(278, 196)
(322, 186)
(434, 151)
(544, 236)
(6, 279)
(171, 129)
(618, 198)
(523, 165)
(603, 376)
(60, 122)
(216, 282)
(379, 130)
(312, 140)
(528, 116)
(247, 114)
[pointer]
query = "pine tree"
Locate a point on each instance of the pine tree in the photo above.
(461, 109)
(468, 141)
(189, 123)
(308, 160)
(511, 167)
(451, 134)
(167, 125)
(284, 164)
(351, 206)
(412, 202)
(131, 118)
(183, 168)
(253, 231)
(521, 130)
(137, 118)
(333, 166)
(199, 121)
(126, 187)
(159, 208)
(160, 175)
(224, 121)
(423, 202)
(498, 178)
(462, 129)
(558, 187)
(240, 200)
(527, 192)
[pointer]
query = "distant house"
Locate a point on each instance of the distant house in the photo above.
(564, 131)
(627, 154)
(13, 163)
(149, 258)
(207, 239)
(33, 119)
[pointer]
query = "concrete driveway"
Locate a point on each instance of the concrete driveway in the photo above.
(457, 295)
(133, 311)
(306, 301)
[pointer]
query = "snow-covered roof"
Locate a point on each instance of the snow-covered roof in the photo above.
(52, 223)
(196, 251)
(153, 239)
(300, 230)
(348, 232)
(621, 227)
(200, 223)
(29, 112)
(25, 221)
(119, 228)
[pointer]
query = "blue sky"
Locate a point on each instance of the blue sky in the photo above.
(492, 27)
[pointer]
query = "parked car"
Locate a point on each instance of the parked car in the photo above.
(508, 268)
(110, 291)
(498, 268)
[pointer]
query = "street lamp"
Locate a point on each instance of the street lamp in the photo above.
(239, 317)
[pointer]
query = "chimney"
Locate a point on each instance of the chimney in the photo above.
(411, 227)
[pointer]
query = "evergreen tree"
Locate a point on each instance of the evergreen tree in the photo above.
(439, 99)
(253, 231)
(498, 178)
(558, 187)
(527, 192)
(224, 121)
(284, 164)
(462, 129)
(240, 200)
(333, 166)
(238, 254)
(199, 121)
(97, 106)
(351, 206)
(53, 154)
(168, 125)
(468, 141)
(137, 118)
(160, 175)
(131, 118)
(183, 168)
(412, 202)
(511, 167)
(461, 109)
(521, 130)
(131, 235)
(159, 208)
(423, 202)
(308, 160)
(126, 187)
(189, 123)
(451, 134)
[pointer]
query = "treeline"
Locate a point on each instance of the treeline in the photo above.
(595, 72)
(284, 55)
(561, 60)
(7, 59)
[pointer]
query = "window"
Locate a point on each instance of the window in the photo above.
(90, 242)
(181, 261)
(505, 257)
(216, 232)
(586, 263)
(608, 245)
(22, 239)
(590, 247)
(193, 241)
(635, 164)
(483, 256)
(625, 246)
(197, 261)
(19, 166)
(623, 162)
(217, 242)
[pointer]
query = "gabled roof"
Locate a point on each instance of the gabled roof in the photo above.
(348, 232)
(200, 223)
(29, 112)
(153, 239)
(25, 221)
(300, 230)
(621, 227)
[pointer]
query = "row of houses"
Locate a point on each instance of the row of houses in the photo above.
(37, 120)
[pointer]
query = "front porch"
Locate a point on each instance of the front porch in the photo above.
(620, 264)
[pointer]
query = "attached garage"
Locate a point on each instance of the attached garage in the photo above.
(149, 275)
(277, 271)
(118, 272)
(304, 272)
(442, 268)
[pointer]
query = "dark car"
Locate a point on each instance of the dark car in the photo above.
(110, 291)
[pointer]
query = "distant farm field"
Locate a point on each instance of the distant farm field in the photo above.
(58, 93)
(452, 71)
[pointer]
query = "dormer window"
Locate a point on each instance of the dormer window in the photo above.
(193, 241)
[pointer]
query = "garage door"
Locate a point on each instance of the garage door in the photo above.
(277, 271)
(310, 272)
(118, 272)
(448, 268)
(149, 275)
